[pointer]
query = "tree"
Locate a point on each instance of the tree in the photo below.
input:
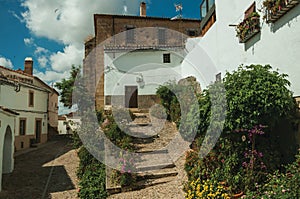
(67, 86)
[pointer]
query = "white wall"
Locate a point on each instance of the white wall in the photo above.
(147, 63)
(62, 127)
(73, 123)
(19, 102)
(277, 44)
(6, 120)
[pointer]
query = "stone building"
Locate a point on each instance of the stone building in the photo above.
(117, 35)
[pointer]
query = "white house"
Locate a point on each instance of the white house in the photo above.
(68, 124)
(275, 40)
(132, 78)
(30, 102)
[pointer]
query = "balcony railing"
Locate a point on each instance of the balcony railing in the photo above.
(274, 9)
(248, 27)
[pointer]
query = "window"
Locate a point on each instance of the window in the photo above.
(130, 34)
(218, 77)
(206, 6)
(31, 98)
(22, 126)
(161, 36)
(210, 4)
(167, 58)
(203, 8)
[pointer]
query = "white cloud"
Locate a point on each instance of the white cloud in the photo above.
(68, 22)
(51, 76)
(62, 61)
(42, 61)
(40, 50)
(28, 41)
(5, 62)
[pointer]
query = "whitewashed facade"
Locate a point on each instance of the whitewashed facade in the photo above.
(144, 69)
(277, 43)
(30, 102)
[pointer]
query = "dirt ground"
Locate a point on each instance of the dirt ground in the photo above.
(47, 172)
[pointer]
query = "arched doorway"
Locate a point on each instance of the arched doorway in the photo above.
(7, 161)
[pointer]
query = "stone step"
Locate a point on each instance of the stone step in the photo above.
(149, 168)
(141, 115)
(152, 182)
(164, 151)
(162, 173)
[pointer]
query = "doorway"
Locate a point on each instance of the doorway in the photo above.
(7, 160)
(131, 96)
(38, 130)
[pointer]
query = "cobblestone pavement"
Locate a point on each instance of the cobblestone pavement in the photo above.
(47, 172)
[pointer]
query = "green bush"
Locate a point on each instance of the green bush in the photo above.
(255, 95)
(77, 143)
(85, 159)
(92, 184)
(117, 136)
(92, 176)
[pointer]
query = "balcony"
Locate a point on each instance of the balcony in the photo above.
(249, 27)
(274, 9)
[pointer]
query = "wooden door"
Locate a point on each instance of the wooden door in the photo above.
(131, 96)
(38, 130)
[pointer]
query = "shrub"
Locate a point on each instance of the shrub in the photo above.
(257, 95)
(76, 140)
(92, 184)
(85, 159)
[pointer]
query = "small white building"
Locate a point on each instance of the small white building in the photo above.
(131, 78)
(68, 124)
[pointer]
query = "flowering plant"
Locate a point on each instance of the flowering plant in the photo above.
(206, 189)
(253, 159)
(126, 168)
(248, 27)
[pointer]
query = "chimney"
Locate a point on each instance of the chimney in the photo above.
(28, 65)
(143, 9)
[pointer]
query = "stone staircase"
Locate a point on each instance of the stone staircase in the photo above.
(155, 166)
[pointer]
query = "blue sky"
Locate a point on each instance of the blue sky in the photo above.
(52, 32)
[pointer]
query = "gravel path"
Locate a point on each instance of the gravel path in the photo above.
(170, 190)
(47, 172)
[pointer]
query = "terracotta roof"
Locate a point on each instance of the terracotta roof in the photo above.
(16, 71)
